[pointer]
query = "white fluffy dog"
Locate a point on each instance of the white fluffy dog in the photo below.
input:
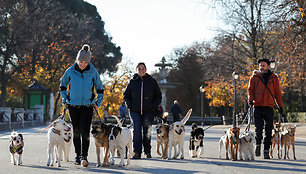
(176, 137)
(120, 138)
(246, 146)
(16, 147)
(57, 137)
(222, 143)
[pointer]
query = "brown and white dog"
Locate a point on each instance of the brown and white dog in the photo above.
(16, 147)
(232, 141)
(196, 143)
(121, 139)
(287, 138)
(101, 132)
(162, 139)
(57, 136)
(276, 138)
(246, 146)
(176, 137)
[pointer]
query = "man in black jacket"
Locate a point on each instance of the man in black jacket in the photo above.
(176, 111)
(142, 96)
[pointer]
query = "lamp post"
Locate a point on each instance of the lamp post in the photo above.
(202, 90)
(235, 76)
(211, 106)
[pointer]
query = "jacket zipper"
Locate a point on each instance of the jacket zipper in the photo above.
(141, 97)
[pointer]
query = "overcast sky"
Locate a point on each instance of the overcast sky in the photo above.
(147, 30)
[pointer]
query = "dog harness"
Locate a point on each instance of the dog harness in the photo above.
(234, 140)
(18, 149)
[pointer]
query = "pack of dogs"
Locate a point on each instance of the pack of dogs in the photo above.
(170, 137)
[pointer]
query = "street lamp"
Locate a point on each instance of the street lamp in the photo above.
(235, 76)
(202, 90)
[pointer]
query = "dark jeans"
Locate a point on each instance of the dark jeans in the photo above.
(176, 118)
(263, 119)
(142, 131)
(81, 120)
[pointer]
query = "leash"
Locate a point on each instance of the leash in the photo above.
(96, 110)
(59, 118)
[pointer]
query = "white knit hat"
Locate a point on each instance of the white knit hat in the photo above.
(84, 54)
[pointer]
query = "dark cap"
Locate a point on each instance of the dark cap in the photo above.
(264, 60)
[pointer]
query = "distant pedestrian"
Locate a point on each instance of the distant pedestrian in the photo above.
(263, 91)
(81, 78)
(176, 111)
(142, 96)
(123, 111)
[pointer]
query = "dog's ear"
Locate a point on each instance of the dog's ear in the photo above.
(172, 125)
(167, 128)
(193, 126)
(20, 136)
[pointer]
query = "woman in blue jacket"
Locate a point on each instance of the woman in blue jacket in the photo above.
(142, 96)
(77, 90)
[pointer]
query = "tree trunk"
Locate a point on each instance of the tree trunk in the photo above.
(3, 87)
(55, 104)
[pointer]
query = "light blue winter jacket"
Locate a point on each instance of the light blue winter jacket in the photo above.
(81, 86)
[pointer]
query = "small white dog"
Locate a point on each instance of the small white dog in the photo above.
(176, 137)
(16, 147)
(58, 135)
(222, 143)
(246, 146)
(120, 138)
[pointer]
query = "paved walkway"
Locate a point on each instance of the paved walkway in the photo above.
(35, 158)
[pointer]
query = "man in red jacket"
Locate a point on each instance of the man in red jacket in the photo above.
(263, 90)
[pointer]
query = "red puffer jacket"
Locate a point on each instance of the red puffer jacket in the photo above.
(258, 92)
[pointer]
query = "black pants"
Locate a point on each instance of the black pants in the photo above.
(263, 119)
(81, 121)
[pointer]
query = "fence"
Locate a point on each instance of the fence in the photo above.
(20, 118)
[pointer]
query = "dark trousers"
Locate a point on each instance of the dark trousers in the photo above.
(263, 119)
(142, 131)
(81, 121)
(176, 118)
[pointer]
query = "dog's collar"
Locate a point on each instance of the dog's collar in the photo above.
(58, 132)
(18, 149)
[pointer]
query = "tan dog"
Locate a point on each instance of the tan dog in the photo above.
(232, 141)
(176, 137)
(162, 139)
(276, 132)
(287, 137)
(101, 132)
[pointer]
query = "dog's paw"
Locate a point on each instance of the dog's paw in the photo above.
(98, 165)
(158, 153)
(182, 157)
(120, 164)
(193, 156)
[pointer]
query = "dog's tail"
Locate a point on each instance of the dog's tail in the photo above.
(185, 119)
(119, 122)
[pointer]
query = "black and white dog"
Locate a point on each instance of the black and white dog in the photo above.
(196, 148)
(16, 147)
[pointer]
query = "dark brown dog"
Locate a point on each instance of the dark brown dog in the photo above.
(101, 132)
(162, 139)
(232, 141)
(276, 132)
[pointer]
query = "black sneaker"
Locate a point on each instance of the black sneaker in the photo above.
(84, 162)
(148, 155)
(266, 154)
(257, 150)
(77, 160)
(136, 155)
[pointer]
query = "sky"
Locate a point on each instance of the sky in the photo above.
(147, 30)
